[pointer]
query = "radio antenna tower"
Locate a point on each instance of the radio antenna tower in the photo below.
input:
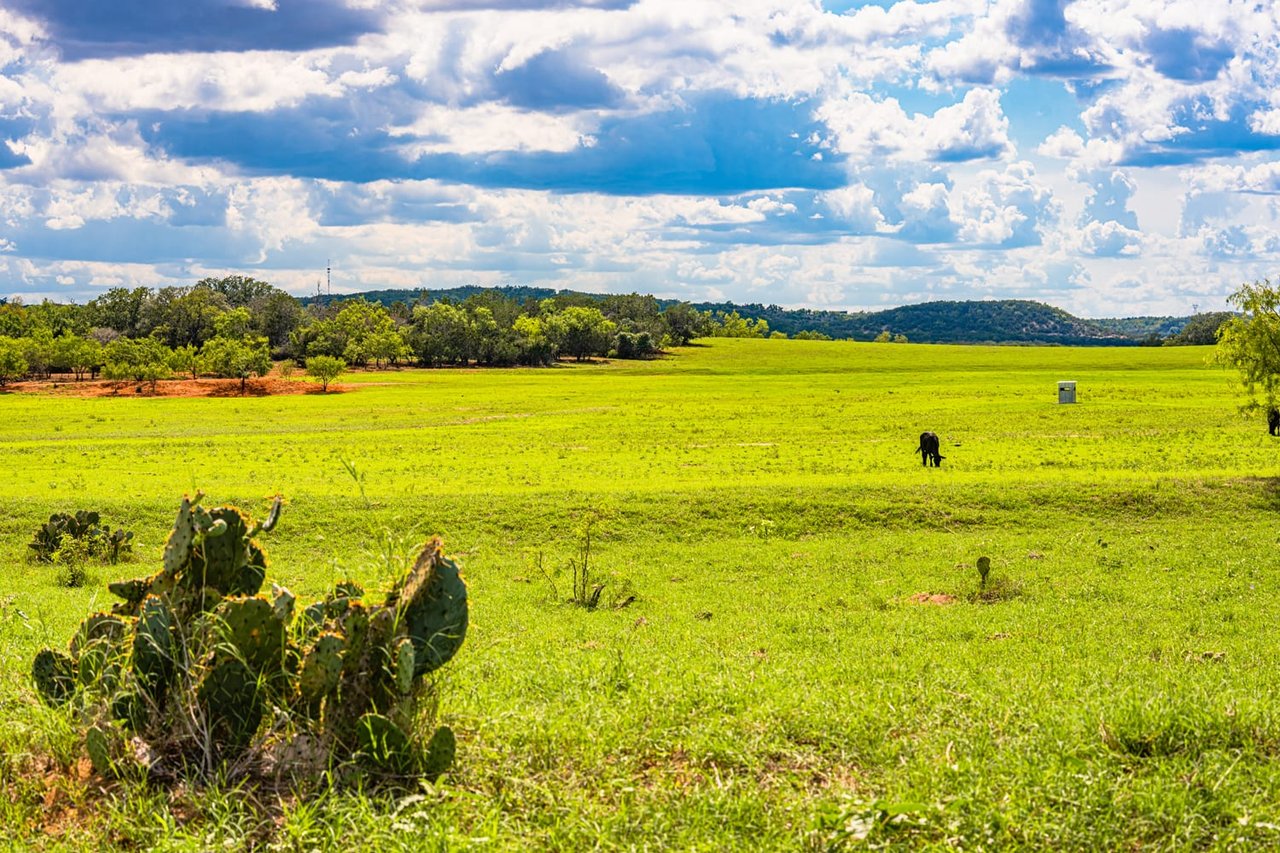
(328, 276)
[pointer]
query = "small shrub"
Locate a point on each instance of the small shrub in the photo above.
(996, 590)
(325, 368)
(634, 345)
(588, 583)
(70, 559)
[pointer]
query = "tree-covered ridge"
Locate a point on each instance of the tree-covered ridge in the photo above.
(234, 327)
(989, 321)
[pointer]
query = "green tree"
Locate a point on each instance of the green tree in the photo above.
(239, 291)
(59, 318)
(140, 359)
(120, 309)
(14, 322)
(76, 354)
(734, 325)
(634, 345)
(1201, 330)
(533, 347)
(13, 364)
(325, 368)
(38, 349)
(386, 347)
(236, 323)
(492, 342)
(276, 315)
(185, 315)
(440, 334)
(633, 312)
(185, 360)
(884, 337)
(580, 332)
(684, 323)
(1250, 342)
(232, 358)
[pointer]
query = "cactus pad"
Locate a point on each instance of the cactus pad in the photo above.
(273, 516)
(154, 651)
(100, 745)
(404, 666)
(54, 675)
(355, 626)
(177, 550)
(434, 598)
(232, 704)
(256, 632)
(253, 573)
(282, 603)
(132, 591)
(131, 709)
(321, 668)
(217, 561)
(97, 626)
(441, 750)
(384, 746)
(91, 662)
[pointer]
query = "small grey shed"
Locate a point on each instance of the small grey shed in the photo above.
(1067, 392)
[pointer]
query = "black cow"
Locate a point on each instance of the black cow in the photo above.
(928, 450)
(1273, 420)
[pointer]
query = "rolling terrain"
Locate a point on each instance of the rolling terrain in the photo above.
(810, 660)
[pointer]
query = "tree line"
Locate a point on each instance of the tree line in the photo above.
(237, 326)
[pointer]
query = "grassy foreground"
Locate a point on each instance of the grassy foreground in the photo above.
(775, 684)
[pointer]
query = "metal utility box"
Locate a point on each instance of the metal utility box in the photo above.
(1066, 392)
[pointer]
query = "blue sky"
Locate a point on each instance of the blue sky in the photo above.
(1113, 157)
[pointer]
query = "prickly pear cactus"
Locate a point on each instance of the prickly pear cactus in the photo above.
(441, 750)
(194, 660)
(434, 598)
(99, 743)
(385, 746)
(405, 668)
(253, 633)
(154, 648)
(321, 668)
(55, 676)
(232, 704)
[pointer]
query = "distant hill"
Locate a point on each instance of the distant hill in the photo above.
(457, 294)
(1004, 321)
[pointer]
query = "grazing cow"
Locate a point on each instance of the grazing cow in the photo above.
(1273, 420)
(928, 450)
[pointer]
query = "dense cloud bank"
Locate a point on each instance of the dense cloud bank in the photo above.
(1110, 156)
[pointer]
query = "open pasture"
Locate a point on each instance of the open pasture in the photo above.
(775, 684)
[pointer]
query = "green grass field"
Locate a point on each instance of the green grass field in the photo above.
(774, 685)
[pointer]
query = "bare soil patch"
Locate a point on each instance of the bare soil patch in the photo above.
(939, 598)
(266, 387)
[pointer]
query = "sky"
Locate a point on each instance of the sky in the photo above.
(1112, 157)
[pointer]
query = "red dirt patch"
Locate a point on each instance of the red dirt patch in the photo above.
(268, 387)
(932, 598)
